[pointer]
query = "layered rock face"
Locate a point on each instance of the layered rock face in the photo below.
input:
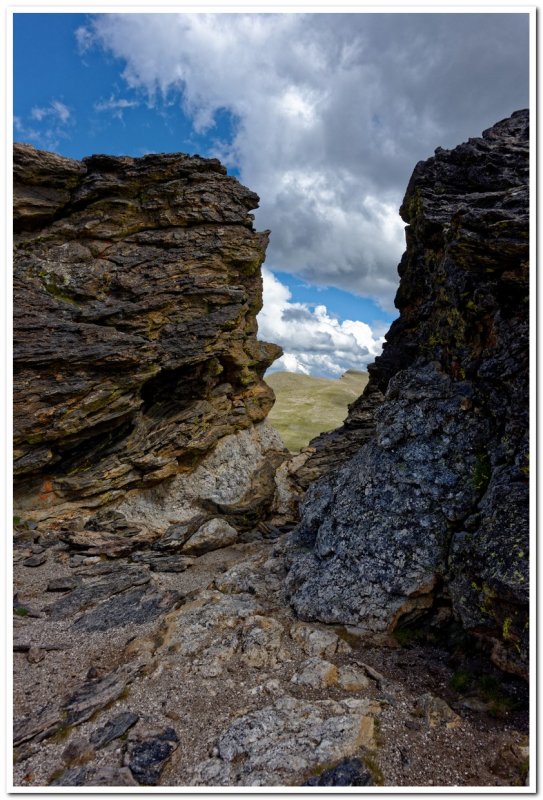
(432, 510)
(137, 283)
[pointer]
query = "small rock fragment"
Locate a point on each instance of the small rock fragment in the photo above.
(436, 712)
(316, 641)
(380, 679)
(35, 655)
(113, 776)
(62, 584)
(352, 678)
(36, 560)
(349, 772)
(316, 673)
(70, 777)
(147, 758)
(113, 729)
(177, 534)
(77, 752)
(211, 536)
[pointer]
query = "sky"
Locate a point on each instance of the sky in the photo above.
(323, 115)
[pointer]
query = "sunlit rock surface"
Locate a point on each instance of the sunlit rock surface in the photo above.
(137, 283)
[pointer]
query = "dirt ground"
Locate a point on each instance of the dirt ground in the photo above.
(205, 675)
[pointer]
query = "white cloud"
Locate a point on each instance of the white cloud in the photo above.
(332, 112)
(49, 125)
(115, 105)
(314, 342)
(55, 110)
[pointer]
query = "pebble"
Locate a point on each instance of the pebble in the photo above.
(35, 655)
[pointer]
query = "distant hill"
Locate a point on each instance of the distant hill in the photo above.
(306, 406)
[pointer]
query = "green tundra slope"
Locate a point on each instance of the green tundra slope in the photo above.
(306, 406)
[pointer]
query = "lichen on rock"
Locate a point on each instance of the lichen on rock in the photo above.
(137, 284)
(428, 497)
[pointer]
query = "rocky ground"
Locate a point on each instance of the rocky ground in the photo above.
(135, 665)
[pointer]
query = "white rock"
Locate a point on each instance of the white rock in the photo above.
(261, 642)
(266, 746)
(224, 476)
(316, 673)
(212, 535)
(317, 641)
(352, 678)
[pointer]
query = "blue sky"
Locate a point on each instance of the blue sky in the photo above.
(323, 115)
(49, 66)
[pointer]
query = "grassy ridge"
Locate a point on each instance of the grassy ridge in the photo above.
(306, 406)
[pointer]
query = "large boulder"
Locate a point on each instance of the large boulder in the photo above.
(432, 509)
(137, 284)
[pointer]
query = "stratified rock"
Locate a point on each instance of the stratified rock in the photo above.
(114, 728)
(92, 593)
(137, 284)
(436, 500)
(133, 607)
(333, 448)
(73, 776)
(91, 776)
(73, 709)
(158, 563)
(235, 482)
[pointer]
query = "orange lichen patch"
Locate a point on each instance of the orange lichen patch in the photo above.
(46, 490)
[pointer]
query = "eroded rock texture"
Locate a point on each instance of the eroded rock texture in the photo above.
(137, 283)
(433, 509)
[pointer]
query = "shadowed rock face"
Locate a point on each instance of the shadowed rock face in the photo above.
(433, 506)
(137, 283)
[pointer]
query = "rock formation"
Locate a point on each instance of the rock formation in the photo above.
(431, 512)
(137, 283)
(154, 642)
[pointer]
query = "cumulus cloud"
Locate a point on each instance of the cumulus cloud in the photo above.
(331, 112)
(314, 341)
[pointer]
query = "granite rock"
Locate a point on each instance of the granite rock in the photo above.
(433, 504)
